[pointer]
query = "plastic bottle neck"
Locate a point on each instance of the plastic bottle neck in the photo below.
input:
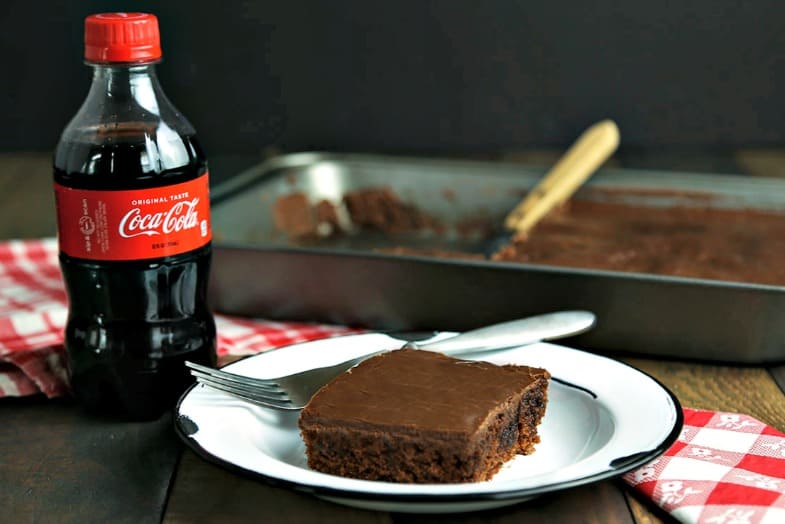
(124, 82)
(126, 105)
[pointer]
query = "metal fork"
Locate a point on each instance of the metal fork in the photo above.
(292, 392)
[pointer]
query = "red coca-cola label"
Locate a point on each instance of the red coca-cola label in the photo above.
(133, 224)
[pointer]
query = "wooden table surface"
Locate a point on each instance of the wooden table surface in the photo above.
(57, 464)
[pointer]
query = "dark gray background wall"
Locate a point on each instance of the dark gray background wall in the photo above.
(423, 76)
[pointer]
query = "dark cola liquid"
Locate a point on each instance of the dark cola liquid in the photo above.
(132, 324)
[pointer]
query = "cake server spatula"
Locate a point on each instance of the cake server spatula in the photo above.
(579, 162)
(292, 392)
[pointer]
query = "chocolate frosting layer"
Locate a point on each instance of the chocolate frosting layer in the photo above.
(697, 242)
(421, 390)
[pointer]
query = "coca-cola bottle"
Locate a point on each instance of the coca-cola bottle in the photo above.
(132, 194)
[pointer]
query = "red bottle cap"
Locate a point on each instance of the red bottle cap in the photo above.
(121, 37)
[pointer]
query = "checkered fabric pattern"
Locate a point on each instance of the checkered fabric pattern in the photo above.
(725, 468)
(33, 314)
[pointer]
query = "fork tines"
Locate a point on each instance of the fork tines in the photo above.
(260, 391)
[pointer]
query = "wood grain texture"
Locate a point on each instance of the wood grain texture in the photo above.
(768, 162)
(778, 374)
(645, 511)
(600, 503)
(206, 493)
(59, 465)
(27, 208)
(748, 390)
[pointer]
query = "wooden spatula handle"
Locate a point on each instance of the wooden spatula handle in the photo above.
(588, 153)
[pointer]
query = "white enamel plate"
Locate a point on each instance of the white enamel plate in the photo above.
(603, 419)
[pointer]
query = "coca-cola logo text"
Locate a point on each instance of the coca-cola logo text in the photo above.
(179, 217)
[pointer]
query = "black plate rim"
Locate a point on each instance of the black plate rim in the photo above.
(640, 459)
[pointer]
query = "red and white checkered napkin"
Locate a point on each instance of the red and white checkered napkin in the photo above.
(725, 468)
(33, 314)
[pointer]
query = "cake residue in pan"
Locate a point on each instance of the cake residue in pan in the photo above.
(694, 241)
(374, 208)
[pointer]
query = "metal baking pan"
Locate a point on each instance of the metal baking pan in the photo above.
(258, 272)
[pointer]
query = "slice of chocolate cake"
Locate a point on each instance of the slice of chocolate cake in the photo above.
(423, 417)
